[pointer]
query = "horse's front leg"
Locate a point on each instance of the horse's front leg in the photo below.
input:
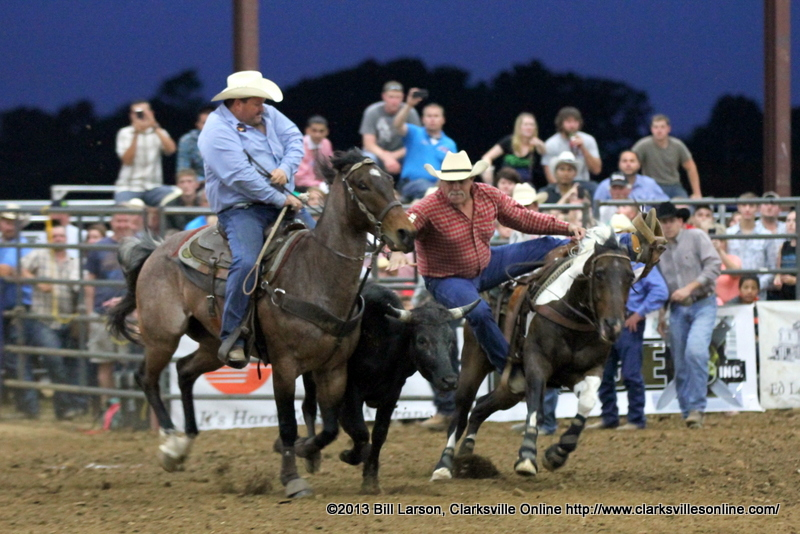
(586, 390)
(330, 390)
(284, 388)
(526, 464)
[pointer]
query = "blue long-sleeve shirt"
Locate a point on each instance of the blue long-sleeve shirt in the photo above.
(648, 294)
(230, 177)
(644, 188)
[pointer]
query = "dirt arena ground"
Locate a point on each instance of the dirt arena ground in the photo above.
(64, 478)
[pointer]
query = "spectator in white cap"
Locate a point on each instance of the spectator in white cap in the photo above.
(566, 190)
(527, 197)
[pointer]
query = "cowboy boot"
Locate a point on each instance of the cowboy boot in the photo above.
(648, 241)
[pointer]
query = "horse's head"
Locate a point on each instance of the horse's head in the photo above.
(609, 277)
(372, 206)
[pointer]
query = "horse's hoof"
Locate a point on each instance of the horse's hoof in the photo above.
(371, 487)
(170, 464)
(313, 462)
(552, 459)
(277, 446)
(526, 467)
(297, 488)
(442, 473)
(349, 457)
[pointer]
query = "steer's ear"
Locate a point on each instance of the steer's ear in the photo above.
(403, 315)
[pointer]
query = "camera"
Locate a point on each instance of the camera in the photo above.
(420, 93)
(139, 114)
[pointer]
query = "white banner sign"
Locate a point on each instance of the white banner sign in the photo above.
(779, 347)
(734, 366)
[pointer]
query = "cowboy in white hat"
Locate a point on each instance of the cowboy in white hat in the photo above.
(454, 227)
(251, 152)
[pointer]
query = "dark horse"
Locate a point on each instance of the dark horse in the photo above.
(322, 271)
(575, 320)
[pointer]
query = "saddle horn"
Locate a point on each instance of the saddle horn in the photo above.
(458, 313)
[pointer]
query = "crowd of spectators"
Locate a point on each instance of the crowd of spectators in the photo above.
(567, 167)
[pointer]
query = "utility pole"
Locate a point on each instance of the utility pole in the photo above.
(777, 97)
(245, 35)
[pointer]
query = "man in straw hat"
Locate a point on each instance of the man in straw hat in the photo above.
(251, 152)
(454, 227)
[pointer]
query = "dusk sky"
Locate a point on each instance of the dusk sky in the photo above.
(684, 54)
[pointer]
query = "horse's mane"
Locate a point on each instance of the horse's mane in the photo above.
(340, 159)
(598, 236)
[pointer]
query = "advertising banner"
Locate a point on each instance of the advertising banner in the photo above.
(732, 383)
(779, 346)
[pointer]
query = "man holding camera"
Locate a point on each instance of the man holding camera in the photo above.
(426, 144)
(140, 146)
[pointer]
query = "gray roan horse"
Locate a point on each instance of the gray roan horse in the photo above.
(574, 323)
(321, 272)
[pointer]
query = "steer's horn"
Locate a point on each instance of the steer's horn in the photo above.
(458, 313)
(404, 316)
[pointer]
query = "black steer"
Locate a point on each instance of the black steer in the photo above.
(394, 344)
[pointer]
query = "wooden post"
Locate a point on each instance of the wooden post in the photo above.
(245, 35)
(777, 97)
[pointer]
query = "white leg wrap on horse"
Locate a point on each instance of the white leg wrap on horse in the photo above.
(586, 390)
(175, 445)
(532, 419)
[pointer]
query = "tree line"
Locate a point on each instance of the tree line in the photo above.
(76, 146)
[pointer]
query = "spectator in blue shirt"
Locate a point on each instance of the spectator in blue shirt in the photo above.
(424, 144)
(641, 187)
(188, 154)
(647, 295)
(242, 141)
(11, 224)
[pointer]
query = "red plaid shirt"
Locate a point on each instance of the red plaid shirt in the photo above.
(449, 244)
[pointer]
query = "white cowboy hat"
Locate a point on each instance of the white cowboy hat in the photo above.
(568, 158)
(250, 83)
(526, 195)
(456, 167)
(620, 223)
(24, 218)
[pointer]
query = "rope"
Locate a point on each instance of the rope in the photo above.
(255, 267)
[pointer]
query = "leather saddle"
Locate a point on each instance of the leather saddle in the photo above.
(206, 254)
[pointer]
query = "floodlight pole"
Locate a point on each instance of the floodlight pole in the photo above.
(245, 35)
(777, 97)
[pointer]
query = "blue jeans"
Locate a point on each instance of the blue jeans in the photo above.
(690, 329)
(627, 351)
(61, 370)
(245, 230)
(445, 401)
(454, 292)
(25, 400)
(547, 417)
(674, 190)
(154, 197)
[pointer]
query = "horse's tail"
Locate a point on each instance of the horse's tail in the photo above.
(132, 254)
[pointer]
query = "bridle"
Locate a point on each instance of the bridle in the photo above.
(375, 221)
(590, 322)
